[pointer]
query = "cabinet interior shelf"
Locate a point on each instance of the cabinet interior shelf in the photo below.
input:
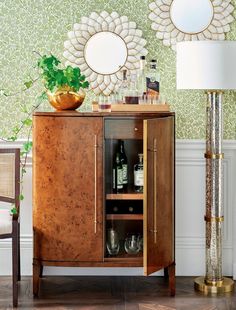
(126, 257)
(125, 196)
(117, 217)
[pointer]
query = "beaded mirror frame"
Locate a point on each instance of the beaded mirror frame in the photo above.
(78, 38)
(167, 30)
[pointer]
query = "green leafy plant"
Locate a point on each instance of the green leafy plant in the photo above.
(53, 77)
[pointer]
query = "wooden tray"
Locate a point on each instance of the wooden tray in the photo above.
(135, 107)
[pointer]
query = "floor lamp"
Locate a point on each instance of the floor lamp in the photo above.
(211, 66)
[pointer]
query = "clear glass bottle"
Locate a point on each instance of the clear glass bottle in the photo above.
(132, 95)
(124, 86)
(138, 175)
(153, 79)
(124, 163)
(141, 80)
(117, 174)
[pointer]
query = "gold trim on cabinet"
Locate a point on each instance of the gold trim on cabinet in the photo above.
(145, 187)
(155, 190)
(95, 184)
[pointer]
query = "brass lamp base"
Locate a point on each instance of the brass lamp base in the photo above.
(224, 286)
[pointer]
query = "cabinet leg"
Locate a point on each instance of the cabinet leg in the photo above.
(166, 273)
(41, 271)
(36, 278)
(171, 272)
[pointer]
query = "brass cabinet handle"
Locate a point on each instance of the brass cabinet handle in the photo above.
(155, 190)
(95, 184)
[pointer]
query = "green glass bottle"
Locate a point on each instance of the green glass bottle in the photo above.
(124, 163)
(117, 174)
(138, 175)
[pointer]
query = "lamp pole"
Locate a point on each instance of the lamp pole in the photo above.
(213, 281)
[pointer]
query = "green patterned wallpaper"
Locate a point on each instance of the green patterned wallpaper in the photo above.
(42, 25)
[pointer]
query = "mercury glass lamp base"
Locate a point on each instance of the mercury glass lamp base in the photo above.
(224, 286)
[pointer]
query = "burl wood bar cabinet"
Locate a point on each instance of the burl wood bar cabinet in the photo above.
(72, 190)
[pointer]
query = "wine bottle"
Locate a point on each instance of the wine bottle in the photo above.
(117, 174)
(138, 175)
(124, 163)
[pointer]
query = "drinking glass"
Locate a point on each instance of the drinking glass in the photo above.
(140, 242)
(132, 245)
(113, 245)
(104, 104)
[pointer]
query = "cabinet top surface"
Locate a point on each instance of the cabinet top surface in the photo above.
(101, 114)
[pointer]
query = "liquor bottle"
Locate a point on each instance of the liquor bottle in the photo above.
(141, 80)
(117, 174)
(153, 79)
(138, 175)
(132, 93)
(124, 86)
(124, 163)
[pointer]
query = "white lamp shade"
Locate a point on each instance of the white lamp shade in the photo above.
(206, 65)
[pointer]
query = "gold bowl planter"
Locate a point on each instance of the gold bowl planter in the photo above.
(66, 99)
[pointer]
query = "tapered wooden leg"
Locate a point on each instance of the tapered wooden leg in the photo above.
(171, 272)
(18, 248)
(15, 263)
(36, 278)
(166, 273)
(41, 271)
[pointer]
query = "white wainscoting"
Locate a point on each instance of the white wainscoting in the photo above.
(190, 226)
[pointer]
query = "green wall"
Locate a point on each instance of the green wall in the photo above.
(42, 25)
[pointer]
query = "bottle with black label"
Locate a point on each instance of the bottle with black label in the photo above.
(153, 79)
(117, 174)
(138, 175)
(124, 163)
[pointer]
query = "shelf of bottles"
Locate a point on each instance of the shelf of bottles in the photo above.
(124, 200)
(142, 87)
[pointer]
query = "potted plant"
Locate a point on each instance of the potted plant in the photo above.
(64, 90)
(64, 87)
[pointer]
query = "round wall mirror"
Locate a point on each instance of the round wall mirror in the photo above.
(102, 45)
(105, 52)
(192, 18)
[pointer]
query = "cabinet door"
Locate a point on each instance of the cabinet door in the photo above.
(68, 188)
(158, 193)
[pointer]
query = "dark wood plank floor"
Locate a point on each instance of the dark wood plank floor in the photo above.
(112, 293)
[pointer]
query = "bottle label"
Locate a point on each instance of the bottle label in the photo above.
(153, 87)
(125, 173)
(119, 179)
(138, 178)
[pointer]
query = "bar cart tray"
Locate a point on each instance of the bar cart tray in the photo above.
(135, 107)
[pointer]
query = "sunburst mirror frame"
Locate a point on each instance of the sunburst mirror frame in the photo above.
(166, 30)
(104, 22)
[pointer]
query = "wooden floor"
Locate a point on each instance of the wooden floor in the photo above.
(112, 293)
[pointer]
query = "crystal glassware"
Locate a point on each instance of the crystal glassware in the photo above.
(113, 245)
(104, 104)
(132, 244)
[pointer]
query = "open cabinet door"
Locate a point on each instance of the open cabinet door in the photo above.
(158, 193)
